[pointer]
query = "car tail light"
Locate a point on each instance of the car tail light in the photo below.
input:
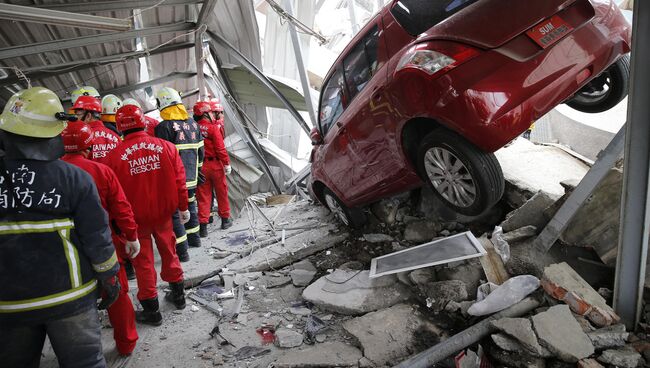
(434, 58)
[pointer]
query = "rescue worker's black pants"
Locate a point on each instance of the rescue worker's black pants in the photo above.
(76, 340)
(188, 234)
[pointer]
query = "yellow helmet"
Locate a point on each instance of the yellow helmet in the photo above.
(83, 91)
(167, 96)
(110, 104)
(35, 112)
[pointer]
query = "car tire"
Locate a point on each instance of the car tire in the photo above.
(466, 179)
(593, 97)
(352, 217)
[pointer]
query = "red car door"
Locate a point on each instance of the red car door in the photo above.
(370, 132)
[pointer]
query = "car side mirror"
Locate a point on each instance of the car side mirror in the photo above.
(315, 136)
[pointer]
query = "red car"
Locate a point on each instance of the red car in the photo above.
(427, 90)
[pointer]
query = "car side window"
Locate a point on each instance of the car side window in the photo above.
(332, 99)
(362, 62)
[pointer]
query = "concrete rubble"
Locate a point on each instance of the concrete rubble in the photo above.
(353, 292)
(300, 294)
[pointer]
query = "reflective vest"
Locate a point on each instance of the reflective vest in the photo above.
(54, 242)
(186, 136)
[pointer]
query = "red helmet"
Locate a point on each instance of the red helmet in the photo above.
(77, 137)
(129, 117)
(216, 105)
(88, 103)
(202, 107)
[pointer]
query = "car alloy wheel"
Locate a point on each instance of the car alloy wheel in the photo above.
(604, 91)
(450, 177)
(466, 179)
(334, 206)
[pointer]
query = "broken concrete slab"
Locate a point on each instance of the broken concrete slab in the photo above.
(439, 293)
(388, 335)
(561, 334)
(520, 234)
(589, 363)
(521, 329)
(590, 228)
(563, 283)
(515, 359)
(470, 272)
(276, 281)
(325, 355)
(287, 338)
(299, 247)
(353, 292)
(607, 338)
(421, 231)
(622, 358)
(531, 213)
(507, 343)
(422, 276)
(303, 272)
(377, 238)
(531, 168)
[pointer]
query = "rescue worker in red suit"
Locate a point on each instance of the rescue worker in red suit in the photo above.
(152, 175)
(88, 110)
(215, 166)
(77, 141)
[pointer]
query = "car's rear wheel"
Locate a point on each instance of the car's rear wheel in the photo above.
(466, 179)
(606, 90)
(352, 217)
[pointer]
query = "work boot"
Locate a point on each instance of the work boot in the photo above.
(203, 230)
(226, 223)
(176, 295)
(183, 256)
(150, 313)
(130, 272)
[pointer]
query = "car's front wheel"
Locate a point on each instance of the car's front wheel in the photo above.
(352, 217)
(606, 90)
(466, 179)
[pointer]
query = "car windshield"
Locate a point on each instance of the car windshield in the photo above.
(416, 16)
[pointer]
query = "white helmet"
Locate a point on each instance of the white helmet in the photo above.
(110, 104)
(131, 101)
(166, 97)
(83, 91)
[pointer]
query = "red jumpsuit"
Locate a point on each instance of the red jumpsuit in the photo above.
(152, 175)
(104, 141)
(215, 159)
(114, 201)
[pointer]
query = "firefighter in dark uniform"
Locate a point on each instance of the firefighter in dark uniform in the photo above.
(56, 251)
(177, 127)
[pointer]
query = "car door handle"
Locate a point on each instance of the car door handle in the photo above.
(339, 124)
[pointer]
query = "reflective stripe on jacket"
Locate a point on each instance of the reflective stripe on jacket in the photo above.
(186, 136)
(54, 242)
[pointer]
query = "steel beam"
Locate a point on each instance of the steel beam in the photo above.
(41, 71)
(206, 10)
(258, 73)
(164, 79)
(98, 6)
(54, 45)
(31, 14)
(635, 206)
(300, 61)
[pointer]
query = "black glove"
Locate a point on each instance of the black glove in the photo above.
(201, 177)
(110, 292)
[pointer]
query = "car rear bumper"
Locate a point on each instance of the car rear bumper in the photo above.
(498, 105)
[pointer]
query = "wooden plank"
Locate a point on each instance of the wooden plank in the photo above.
(492, 264)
